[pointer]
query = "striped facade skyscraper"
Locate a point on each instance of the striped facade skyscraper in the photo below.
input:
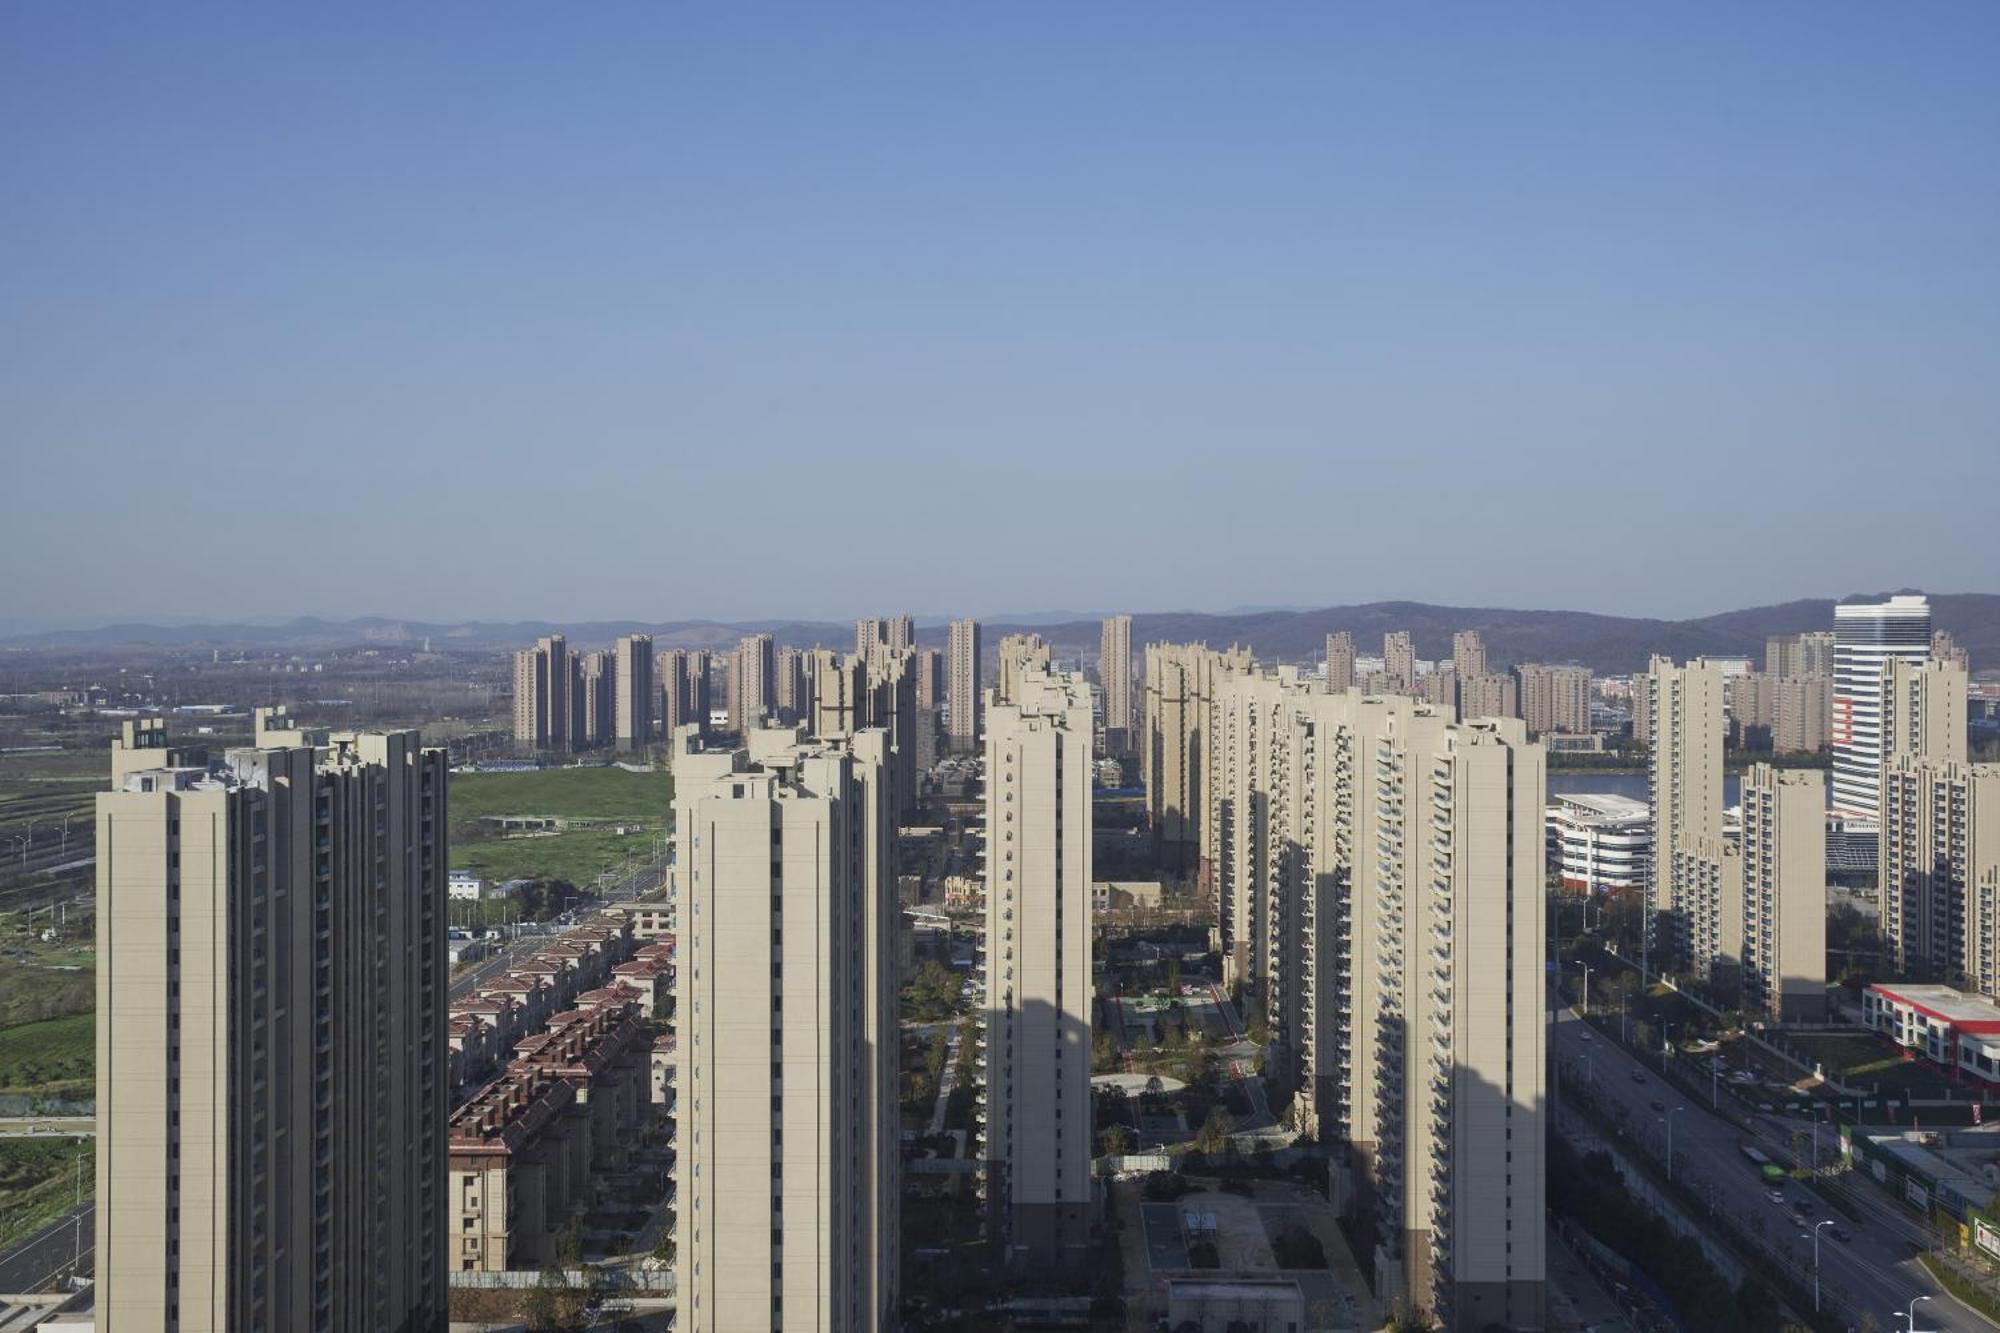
(1867, 636)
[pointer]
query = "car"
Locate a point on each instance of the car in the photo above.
(1657, 1104)
(1581, 1036)
(1802, 1207)
(1638, 1077)
(1841, 1234)
(1775, 1196)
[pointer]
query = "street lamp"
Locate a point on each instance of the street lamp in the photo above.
(1668, 1120)
(1912, 1315)
(1586, 987)
(1816, 1227)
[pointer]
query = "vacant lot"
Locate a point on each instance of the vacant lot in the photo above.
(563, 793)
(38, 1182)
(56, 1058)
(580, 855)
(1859, 1059)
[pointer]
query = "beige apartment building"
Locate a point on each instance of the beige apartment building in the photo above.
(1398, 858)
(1801, 714)
(792, 696)
(1940, 827)
(1784, 893)
(892, 706)
(1340, 661)
(1554, 700)
(1468, 654)
(271, 1047)
(1019, 654)
(1439, 687)
(1399, 661)
(930, 680)
(1753, 701)
(1487, 695)
(638, 690)
(840, 695)
(890, 632)
(1689, 880)
(684, 692)
(1039, 989)
(1174, 764)
(1799, 655)
(1923, 711)
(543, 684)
(1246, 734)
(963, 698)
(785, 1008)
(595, 717)
(1114, 669)
(753, 683)
(1940, 869)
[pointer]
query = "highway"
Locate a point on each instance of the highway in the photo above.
(1876, 1270)
(25, 1266)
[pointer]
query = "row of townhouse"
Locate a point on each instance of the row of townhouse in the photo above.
(526, 1148)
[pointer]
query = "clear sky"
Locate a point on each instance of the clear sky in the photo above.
(669, 310)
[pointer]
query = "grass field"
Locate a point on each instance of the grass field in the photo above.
(56, 1058)
(579, 856)
(563, 793)
(38, 1182)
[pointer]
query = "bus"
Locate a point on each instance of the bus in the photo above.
(1772, 1173)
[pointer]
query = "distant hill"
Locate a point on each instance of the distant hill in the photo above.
(1603, 643)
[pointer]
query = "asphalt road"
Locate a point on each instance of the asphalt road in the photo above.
(1877, 1268)
(639, 885)
(58, 1126)
(28, 1264)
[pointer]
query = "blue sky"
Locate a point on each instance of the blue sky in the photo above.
(747, 310)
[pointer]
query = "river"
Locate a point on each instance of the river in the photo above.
(1623, 784)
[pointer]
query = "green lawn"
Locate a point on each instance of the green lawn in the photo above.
(38, 1182)
(32, 991)
(578, 857)
(55, 1058)
(563, 793)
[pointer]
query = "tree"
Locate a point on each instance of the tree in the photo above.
(553, 1305)
(1115, 1141)
(569, 1243)
(1214, 1134)
(1103, 1053)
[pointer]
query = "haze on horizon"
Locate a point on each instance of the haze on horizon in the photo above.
(668, 313)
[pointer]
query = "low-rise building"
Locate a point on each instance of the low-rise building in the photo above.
(1226, 1304)
(1600, 842)
(522, 1150)
(1949, 1027)
(648, 921)
(1124, 895)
